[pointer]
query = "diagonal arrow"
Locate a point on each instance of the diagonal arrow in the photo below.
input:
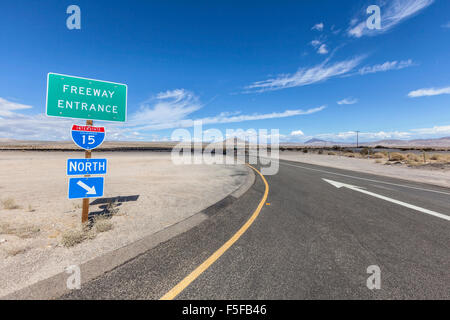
(404, 204)
(90, 190)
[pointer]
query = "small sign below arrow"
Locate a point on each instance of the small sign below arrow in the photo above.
(404, 204)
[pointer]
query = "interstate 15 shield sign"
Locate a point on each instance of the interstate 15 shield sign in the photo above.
(88, 137)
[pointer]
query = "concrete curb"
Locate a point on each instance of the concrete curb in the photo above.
(55, 286)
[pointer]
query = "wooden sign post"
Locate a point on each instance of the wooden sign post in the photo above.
(87, 155)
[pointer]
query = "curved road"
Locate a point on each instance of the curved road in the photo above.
(313, 238)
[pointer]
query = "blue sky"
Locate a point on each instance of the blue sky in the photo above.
(307, 68)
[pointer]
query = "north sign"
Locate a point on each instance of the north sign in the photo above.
(78, 167)
(82, 98)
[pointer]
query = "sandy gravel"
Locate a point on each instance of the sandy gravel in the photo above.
(37, 182)
(436, 177)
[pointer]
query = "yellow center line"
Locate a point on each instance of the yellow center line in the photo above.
(216, 255)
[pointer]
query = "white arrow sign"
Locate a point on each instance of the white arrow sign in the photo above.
(90, 190)
(410, 206)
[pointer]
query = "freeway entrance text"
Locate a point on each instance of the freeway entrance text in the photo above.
(81, 98)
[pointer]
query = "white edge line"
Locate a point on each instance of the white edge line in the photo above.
(372, 180)
(407, 205)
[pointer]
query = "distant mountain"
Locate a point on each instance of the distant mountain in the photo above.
(316, 141)
(439, 143)
(389, 143)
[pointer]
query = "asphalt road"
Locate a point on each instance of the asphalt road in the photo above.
(314, 241)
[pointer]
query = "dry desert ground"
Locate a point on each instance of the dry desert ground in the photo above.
(40, 229)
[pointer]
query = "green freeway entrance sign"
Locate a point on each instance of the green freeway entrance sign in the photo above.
(74, 97)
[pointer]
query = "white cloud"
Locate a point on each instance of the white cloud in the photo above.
(240, 118)
(446, 25)
(436, 130)
(167, 110)
(350, 136)
(40, 127)
(369, 136)
(315, 43)
(347, 101)
(323, 49)
(184, 123)
(253, 136)
(170, 110)
(306, 76)
(358, 30)
(7, 108)
(393, 12)
(297, 133)
(323, 72)
(334, 30)
(429, 92)
(318, 26)
(169, 106)
(388, 65)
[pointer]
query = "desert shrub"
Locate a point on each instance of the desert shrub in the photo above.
(349, 154)
(305, 150)
(24, 231)
(76, 205)
(436, 157)
(364, 151)
(331, 153)
(14, 251)
(10, 204)
(103, 225)
(412, 163)
(378, 155)
(4, 228)
(73, 237)
(395, 156)
(413, 157)
(320, 151)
